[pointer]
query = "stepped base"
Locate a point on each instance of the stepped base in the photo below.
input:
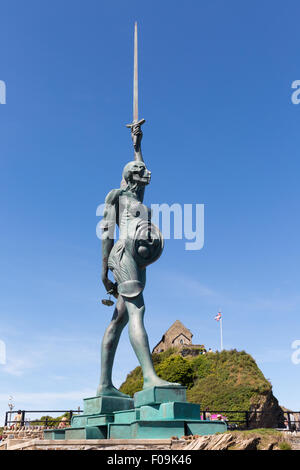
(87, 432)
(105, 404)
(155, 413)
(84, 432)
(157, 395)
(172, 410)
(164, 429)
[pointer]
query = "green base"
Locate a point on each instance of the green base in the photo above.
(125, 417)
(164, 429)
(103, 405)
(87, 432)
(155, 413)
(147, 430)
(100, 420)
(84, 432)
(157, 395)
(54, 434)
(172, 410)
(203, 428)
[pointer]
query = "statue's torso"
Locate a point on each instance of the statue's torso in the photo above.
(140, 241)
(132, 212)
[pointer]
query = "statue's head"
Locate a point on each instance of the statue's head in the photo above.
(135, 173)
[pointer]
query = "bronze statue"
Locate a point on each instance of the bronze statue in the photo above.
(140, 243)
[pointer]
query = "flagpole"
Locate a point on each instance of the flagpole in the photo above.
(221, 333)
(219, 319)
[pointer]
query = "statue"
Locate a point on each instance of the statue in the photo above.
(140, 243)
(160, 410)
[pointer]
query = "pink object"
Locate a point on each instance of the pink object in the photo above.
(218, 417)
(218, 317)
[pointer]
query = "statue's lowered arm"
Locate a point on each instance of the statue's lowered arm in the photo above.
(108, 227)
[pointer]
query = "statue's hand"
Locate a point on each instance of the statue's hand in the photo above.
(110, 287)
(136, 135)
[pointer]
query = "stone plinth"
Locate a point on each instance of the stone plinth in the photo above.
(103, 405)
(157, 395)
(154, 413)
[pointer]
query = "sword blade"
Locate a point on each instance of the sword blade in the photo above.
(135, 77)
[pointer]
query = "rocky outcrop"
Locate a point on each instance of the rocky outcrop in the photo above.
(94, 444)
(250, 440)
(267, 413)
(238, 441)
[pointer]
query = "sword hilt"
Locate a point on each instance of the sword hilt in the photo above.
(138, 123)
(136, 138)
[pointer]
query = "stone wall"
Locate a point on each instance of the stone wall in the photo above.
(227, 441)
(95, 444)
(31, 432)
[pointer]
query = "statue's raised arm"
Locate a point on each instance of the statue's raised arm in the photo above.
(137, 135)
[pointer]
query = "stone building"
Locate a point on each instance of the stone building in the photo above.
(176, 336)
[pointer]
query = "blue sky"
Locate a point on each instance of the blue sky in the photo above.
(215, 89)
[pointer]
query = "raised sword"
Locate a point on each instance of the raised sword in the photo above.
(135, 126)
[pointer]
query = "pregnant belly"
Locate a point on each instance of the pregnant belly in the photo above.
(147, 244)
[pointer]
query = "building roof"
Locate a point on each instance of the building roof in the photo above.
(178, 328)
(175, 330)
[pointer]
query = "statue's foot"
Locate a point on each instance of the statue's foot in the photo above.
(110, 391)
(157, 382)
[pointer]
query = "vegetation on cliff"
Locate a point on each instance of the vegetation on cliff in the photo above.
(227, 380)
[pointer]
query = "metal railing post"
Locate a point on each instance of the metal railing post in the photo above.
(23, 418)
(289, 421)
(247, 419)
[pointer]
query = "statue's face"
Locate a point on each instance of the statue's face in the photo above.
(137, 172)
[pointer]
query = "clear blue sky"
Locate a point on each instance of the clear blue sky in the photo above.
(215, 88)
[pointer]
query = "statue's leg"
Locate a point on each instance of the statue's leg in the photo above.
(108, 349)
(139, 340)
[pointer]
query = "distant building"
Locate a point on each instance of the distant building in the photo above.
(177, 336)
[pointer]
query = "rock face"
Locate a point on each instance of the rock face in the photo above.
(218, 442)
(237, 441)
(268, 413)
(249, 440)
(94, 444)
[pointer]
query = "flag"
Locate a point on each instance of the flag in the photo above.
(218, 317)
